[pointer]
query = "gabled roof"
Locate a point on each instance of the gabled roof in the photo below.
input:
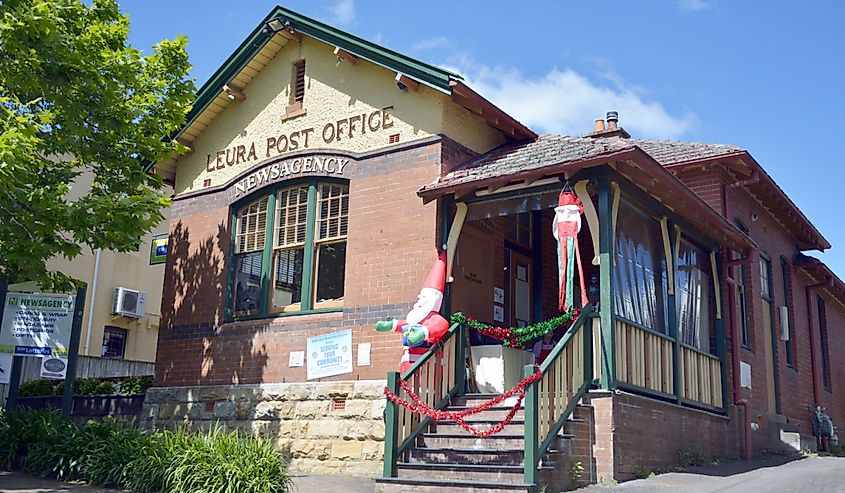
(263, 43)
(822, 274)
(668, 152)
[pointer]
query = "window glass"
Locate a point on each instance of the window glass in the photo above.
(518, 228)
(114, 342)
(285, 278)
(825, 348)
(786, 272)
(332, 227)
(765, 286)
(249, 248)
(640, 279)
(694, 295)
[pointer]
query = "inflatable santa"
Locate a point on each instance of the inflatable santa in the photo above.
(423, 326)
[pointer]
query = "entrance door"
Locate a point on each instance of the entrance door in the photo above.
(520, 289)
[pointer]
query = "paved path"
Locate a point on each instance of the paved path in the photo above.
(810, 475)
(23, 483)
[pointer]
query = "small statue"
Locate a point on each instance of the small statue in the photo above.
(423, 326)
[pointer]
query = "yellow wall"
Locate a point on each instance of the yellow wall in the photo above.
(130, 270)
(334, 90)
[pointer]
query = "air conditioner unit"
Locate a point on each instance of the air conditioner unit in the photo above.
(129, 302)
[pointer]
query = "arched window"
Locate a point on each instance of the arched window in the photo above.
(302, 266)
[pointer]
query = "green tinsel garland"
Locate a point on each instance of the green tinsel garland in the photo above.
(516, 336)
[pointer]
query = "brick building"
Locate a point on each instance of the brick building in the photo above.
(324, 173)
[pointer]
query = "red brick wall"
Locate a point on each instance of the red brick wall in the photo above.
(391, 247)
(775, 240)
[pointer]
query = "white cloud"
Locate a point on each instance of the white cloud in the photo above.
(342, 12)
(430, 43)
(692, 5)
(566, 102)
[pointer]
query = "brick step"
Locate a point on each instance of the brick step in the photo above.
(454, 455)
(465, 441)
(474, 472)
(405, 485)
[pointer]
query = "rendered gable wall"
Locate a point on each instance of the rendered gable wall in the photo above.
(335, 91)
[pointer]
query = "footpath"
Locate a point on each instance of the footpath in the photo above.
(16, 482)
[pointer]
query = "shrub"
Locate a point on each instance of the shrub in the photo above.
(135, 385)
(217, 461)
(92, 386)
(39, 388)
(114, 453)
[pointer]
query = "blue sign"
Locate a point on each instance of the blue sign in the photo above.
(33, 351)
(329, 354)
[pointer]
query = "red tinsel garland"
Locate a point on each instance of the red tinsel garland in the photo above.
(418, 406)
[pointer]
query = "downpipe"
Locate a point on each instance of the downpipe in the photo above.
(735, 360)
(814, 363)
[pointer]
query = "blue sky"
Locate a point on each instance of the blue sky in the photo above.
(759, 74)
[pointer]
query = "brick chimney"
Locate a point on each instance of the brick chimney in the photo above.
(613, 129)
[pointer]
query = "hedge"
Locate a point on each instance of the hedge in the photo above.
(115, 454)
(85, 386)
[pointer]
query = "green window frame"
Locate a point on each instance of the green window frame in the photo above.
(288, 254)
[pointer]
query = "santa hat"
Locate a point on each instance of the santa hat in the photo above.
(569, 198)
(437, 277)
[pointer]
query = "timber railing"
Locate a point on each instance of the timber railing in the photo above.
(436, 377)
(567, 375)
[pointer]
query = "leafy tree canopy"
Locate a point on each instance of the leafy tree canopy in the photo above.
(77, 100)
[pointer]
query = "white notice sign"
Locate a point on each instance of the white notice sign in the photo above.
(329, 354)
(5, 368)
(296, 359)
(53, 367)
(364, 353)
(36, 324)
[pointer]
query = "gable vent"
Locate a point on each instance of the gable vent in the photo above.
(298, 82)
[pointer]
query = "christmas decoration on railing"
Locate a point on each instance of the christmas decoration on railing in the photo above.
(418, 406)
(516, 336)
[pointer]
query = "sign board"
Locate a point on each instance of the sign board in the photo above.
(158, 250)
(5, 368)
(329, 354)
(36, 324)
(364, 353)
(52, 367)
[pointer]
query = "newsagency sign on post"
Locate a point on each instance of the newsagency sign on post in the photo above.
(329, 354)
(36, 324)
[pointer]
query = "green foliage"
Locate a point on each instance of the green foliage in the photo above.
(76, 99)
(644, 473)
(114, 453)
(38, 388)
(691, 457)
(92, 386)
(135, 385)
(576, 470)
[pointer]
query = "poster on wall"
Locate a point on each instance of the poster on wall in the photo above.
(329, 354)
(36, 324)
(5, 368)
(55, 368)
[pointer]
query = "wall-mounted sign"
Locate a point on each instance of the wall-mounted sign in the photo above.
(499, 296)
(52, 367)
(333, 131)
(364, 353)
(158, 249)
(296, 359)
(329, 354)
(36, 324)
(328, 165)
(498, 313)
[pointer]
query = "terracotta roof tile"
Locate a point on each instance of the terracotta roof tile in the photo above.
(551, 150)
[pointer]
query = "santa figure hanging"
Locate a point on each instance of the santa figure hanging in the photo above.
(423, 326)
(565, 228)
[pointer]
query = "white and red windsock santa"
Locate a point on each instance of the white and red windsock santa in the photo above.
(565, 228)
(423, 326)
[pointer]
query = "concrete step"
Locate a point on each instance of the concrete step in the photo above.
(453, 455)
(474, 472)
(473, 400)
(497, 413)
(405, 485)
(515, 427)
(465, 441)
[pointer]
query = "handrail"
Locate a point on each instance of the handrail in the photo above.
(580, 333)
(444, 362)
